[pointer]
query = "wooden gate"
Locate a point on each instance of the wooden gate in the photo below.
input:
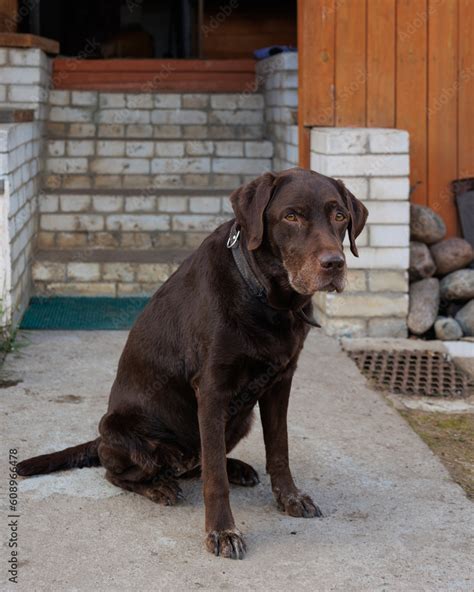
(407, 64)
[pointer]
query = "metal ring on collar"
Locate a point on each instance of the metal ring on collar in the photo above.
(233, 238)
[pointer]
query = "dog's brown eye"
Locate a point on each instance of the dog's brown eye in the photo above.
(290, 217)
(340, 217)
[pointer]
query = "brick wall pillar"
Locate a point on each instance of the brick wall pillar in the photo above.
(24, 84)
(278, 79)
(374, 164)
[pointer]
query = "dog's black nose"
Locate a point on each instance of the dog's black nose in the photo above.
(331, 261)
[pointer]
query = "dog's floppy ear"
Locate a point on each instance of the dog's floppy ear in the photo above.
(358, 214)
(249, 203)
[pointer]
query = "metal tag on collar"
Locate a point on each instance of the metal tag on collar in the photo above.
(233, 238)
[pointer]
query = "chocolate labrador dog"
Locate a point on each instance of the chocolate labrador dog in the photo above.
(224, 332)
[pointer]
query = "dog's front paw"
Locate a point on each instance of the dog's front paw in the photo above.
(297, 504)
(226, 543)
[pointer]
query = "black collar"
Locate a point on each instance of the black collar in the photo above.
(254, 285)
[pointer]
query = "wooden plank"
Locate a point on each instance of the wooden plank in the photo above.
(316, 32)
(26, 40)
(442, 110)
(148, 75)
(304, 147)
(412, 89)
(381, 63)
(466, 89)
(149, 82)
(351, 71)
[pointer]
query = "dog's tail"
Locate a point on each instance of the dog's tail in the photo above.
(76, 457)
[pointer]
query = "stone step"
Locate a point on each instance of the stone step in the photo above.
(121, 272)
(125, 164)
(158, 218)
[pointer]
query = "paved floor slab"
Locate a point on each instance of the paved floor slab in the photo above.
(394, 520)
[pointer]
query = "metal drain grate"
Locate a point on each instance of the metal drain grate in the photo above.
(426, 373)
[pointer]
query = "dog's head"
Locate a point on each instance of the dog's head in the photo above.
(301, 217)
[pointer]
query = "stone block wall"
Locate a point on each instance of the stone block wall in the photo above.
(100, 140)
(25, 77)
(78, 276)
(278, 79)
(24, 84)
(146, 219)
(148, 170)
(374, 164)
(20, 146)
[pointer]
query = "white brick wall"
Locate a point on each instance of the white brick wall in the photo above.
(185, 138)
(363, 165)
(72, 220)
(389, 188)
(374, 164)
(278, 78)
(20, 147)
(24, 84)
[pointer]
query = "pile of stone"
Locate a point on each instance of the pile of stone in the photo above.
(441, 279)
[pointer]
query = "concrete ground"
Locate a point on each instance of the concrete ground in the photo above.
(394, 520)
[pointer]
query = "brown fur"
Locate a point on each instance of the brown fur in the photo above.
(204, 351)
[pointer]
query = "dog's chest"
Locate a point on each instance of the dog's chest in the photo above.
(251, 389)
(257, 375)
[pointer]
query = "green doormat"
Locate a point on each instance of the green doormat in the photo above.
(82, 313)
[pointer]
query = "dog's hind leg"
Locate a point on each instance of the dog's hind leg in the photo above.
(139, 464)
(161, 490)
(160, 487)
